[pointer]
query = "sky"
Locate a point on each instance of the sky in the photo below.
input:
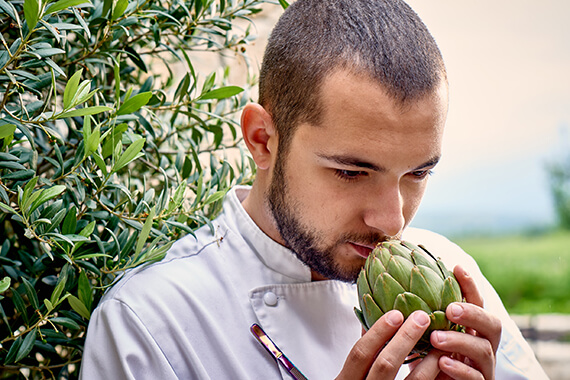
(508, 66)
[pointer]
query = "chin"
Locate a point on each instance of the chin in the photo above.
(349, 271)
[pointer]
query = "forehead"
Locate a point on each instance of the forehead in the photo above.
(358, 117)
(344, 94)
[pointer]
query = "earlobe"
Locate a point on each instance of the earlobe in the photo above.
(258, 133)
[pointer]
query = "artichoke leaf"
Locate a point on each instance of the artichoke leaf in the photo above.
(427, 285)
(360, 317)
(400, 268)
(439, 321)
(362, 284)
(446, 272)
(450, 292)
(370, 310)
(408, 302)
(375, 269)
(384, 255)
(411, 246)
(399, 250)
(420, 259)
(385, 291)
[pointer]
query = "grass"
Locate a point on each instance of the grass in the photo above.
(530, 273)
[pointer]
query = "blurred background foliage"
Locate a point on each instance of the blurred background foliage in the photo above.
(112, 145)
(530, 270)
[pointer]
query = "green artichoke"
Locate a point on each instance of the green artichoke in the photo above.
(402, 276)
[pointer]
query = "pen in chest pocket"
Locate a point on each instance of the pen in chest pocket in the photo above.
(264, 339)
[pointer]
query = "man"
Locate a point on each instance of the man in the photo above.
(353, 100)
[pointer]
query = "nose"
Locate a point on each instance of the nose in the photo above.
(385, 211)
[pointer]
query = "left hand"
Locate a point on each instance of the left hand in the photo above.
(471, 355)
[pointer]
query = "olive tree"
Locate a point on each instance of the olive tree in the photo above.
(112, 146)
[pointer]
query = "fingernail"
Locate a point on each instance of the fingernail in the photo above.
(461, 271)
(421, 318)
(456, 310)
(439, 336)
(395, 318)
(447, 361)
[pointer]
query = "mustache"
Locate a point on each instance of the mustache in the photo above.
(366, 239)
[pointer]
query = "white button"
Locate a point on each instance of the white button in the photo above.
(270, 299)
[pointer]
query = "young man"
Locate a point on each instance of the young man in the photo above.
(353, 100)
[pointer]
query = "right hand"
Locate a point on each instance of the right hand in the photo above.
(372, 358)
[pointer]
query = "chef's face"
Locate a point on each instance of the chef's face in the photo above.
(358, 177)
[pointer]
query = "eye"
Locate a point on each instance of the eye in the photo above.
(349, 175)
(421, 174)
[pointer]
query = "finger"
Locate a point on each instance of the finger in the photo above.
(393, 355)
(443, 376)
(484, 323)
(415, 360)
(468, 286)
(426, 368)
(363, 353)
(460, 371)
(479, 351)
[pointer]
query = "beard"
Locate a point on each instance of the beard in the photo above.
(307, 242)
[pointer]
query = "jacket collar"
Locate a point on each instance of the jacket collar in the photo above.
(272, 254)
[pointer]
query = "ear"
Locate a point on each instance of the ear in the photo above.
(259, 134)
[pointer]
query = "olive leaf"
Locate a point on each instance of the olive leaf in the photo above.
(71, 89)
(84, 111)
(5, 284)
(7, 130)
(31, 13)
(130, 154)
(64, 4)
(221, 93)
(134, 103)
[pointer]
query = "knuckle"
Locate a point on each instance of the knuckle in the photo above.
(419, 375)
(383, 365)
(358, 354)
(498, 325)
(488, 349)
(409, 336)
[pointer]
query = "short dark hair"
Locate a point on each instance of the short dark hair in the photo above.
(384, 39)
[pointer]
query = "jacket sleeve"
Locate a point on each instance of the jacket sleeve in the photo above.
(515, 358)
(119, 346)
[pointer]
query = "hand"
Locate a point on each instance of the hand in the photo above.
(372, 358)
(474, 353)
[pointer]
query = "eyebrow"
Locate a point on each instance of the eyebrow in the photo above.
(356, 162)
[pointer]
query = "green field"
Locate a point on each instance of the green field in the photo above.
(530, 273)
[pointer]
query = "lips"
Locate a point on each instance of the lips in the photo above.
(361, 249)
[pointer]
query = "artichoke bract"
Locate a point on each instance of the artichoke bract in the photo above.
(400, 275)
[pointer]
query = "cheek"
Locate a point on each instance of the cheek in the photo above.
(323, 205)
(412, 200)
(326, 209)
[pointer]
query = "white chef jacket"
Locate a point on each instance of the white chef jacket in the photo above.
(188, 316)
